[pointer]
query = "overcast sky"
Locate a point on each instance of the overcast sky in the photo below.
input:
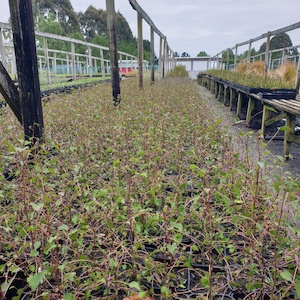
(197, 25)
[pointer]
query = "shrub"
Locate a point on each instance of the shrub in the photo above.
(178, 71)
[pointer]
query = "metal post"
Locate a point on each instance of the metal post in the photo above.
(27, 69)
(114, 67)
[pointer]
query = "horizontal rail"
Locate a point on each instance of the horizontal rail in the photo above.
(144, 15)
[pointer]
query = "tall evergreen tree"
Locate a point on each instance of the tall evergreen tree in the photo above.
(63, 12)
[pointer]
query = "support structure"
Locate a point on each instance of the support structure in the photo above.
(27, 69)
(140, 49)
(114, 67)
(152, 62)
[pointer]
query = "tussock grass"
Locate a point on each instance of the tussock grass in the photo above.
(283, 77)
(287, 72)
(178, 71)
(146, 198)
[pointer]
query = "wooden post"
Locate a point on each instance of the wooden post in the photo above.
(102, 63)
(249, 56)
(140, 49)
(2, 50)
(114, 67)
(239, 105)
(152, 62)
(251, 105)
(47, 62)
(160, 55)
(27, 69)
(166, 58)
(297, 79)
(267, 55)
(54, 65)
(10, 92)
(235, 56)
(90, 61)
(282, 57)
(289, 123)
(221, 61)
(73, 61)
(227, 59)
(68, 64)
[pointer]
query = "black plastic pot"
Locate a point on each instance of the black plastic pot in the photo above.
(279, 94)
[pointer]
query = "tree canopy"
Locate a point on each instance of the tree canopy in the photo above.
(202, 53)
(59, 17)
(63, 12)
(185, 54)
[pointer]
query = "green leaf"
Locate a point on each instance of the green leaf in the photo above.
(171, 248)
(5, 286)
(178, 237)
(68, 296)
(271, 109)
(101, 193)
(143, 294)
(63, 227)
(261, 164)
(285, 128)
(135, 285)
(34, 253)
(205, 281)
(164, 290)
(37, 245)
(286, 275)
(34, 280)
(297, 287)
(37, 206)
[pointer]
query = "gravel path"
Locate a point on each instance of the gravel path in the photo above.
(274, 147)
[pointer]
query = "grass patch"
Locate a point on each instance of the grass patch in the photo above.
(149, 199)
(63, 82)
(282, 78)
(178, 71)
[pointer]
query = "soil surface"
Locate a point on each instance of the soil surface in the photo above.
(290, 168)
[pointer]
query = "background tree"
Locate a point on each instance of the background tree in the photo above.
(231, 57)
(50, 24)
(244, 55)
(185, 54)
(202, 53)
(93, 22)
(279, 41)
(63, 12)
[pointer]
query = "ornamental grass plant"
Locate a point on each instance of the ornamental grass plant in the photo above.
(147, 199)
(252, 75)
